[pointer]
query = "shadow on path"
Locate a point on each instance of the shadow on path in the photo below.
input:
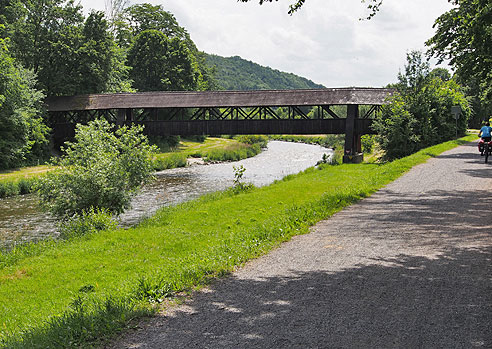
(406, 302)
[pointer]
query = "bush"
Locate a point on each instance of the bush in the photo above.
(17, 187)
(169, 161)
(197, 138)
(235, 152)
(253, 139)
(102, 169)
(367, 143)
(419, 114)
(8, 189)
(87, 222)
(165, 143)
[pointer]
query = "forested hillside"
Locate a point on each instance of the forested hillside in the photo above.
(235, 73)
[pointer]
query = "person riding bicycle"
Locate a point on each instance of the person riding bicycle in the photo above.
(486, 132)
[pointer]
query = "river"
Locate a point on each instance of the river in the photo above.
(21, 220)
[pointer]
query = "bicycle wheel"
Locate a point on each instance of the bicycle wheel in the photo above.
(486, 151)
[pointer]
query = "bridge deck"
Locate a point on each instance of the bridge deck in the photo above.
(211, 99)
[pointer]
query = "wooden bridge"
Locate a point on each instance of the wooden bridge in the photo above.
(228, 112)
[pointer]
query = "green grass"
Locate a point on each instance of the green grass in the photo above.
(212, 149)
(20, 181)
(80, 292)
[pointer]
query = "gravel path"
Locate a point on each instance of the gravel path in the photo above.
(409, 267)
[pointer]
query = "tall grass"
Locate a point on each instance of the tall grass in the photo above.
(14, 187)
(234, 152)
(79, 292)
(170, 160)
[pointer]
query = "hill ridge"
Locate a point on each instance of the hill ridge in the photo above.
(236, 73)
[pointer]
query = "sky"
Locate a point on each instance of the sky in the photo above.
(325, 41)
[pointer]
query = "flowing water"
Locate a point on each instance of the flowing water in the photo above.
(21, 220)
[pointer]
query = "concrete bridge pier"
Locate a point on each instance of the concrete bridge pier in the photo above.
(353, 147)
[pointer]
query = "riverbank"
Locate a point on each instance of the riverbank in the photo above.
(22, 181)
(80, 292)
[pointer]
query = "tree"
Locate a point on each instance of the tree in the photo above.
(69, 54)
(160, 64)
(33, 26)
(463, 36)
(141, 17)
(419, 115)
(100, 170)
(22, 132)
(441, 73)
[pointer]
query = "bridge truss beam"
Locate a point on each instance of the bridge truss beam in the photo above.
(228, 112)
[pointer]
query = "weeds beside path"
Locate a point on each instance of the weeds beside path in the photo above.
(79, 292)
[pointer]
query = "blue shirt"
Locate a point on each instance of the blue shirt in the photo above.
(486, 130)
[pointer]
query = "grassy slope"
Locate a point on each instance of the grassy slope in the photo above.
(25, 172)
(185, 245)
(192, 148)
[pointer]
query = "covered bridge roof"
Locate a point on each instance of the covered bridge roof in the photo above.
(210, 99)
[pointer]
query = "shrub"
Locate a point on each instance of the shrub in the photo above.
(170, 161)
(87, 222)
(234, 152)
(197, 138)
(8, 188)
(419, 114)
(165, 143)
(102, 169)
(367, 143)
(253, 139)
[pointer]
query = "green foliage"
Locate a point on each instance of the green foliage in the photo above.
(102, 169)
(88, 221)
(261, 140)
(368, 142)
(141, 17)
(172, 160)
(396, 128)
(233, 152)
(70, 55)
(463, 36)
(235, 73)
(18, 187)
(23, 135)
(160, 64)
(239, 185)
(419, 115)
(82, 290)
(165, 143)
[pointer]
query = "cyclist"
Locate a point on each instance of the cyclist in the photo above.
(485, 132)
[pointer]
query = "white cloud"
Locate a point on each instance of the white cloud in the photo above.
(324, 41)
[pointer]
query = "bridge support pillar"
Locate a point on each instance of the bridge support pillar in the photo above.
(352, 152)
(123, 115)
